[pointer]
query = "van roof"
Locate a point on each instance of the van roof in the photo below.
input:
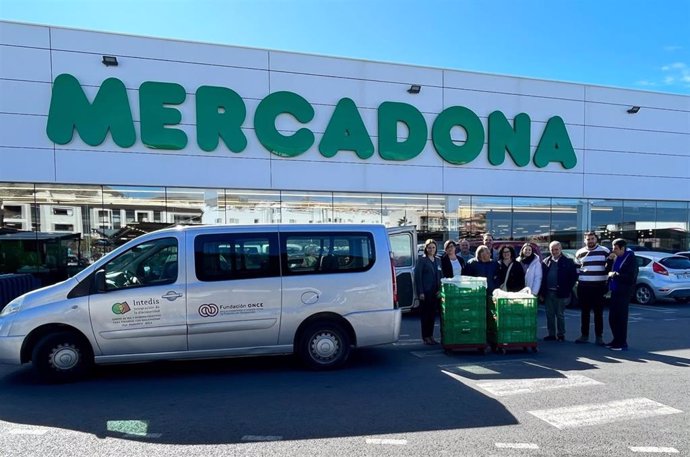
(279, 227)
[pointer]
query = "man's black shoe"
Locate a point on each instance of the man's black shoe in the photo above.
(550, 338)
(561, 338)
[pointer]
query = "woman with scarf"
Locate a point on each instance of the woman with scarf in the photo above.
(622, 281)
(428, 283)
(531, 265)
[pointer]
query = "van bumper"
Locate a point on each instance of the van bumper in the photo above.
(10, 349)
(376, 327)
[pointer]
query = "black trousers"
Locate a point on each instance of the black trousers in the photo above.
(591, 298)
(618, 316)
(427, 314)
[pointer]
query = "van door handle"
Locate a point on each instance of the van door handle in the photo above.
(171, 295)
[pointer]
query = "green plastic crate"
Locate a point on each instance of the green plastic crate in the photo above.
(517, 321)
(516, 336)
(463, 332)
(516, 305)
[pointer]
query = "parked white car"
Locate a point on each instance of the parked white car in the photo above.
(662, 275)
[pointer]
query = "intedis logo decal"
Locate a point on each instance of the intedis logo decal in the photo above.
(208, 310)
(121, 308)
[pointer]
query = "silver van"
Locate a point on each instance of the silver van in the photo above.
(213, 291)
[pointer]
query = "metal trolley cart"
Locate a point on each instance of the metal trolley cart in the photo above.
(463, 314)
(514, 323)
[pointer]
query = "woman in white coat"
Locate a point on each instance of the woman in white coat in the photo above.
(531, 264)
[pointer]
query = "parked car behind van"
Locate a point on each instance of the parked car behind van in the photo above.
(213, 291)
(662, 275)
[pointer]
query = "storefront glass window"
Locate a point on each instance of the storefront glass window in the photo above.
(17, 214)
(194, 206)
(639, 223)
(405, 209)
(306, 207)
(531, 219)
(246, 207)
(67, 218)
(440, 223)
(458, 210)
(672, 223)
(607, 219)
(494, 215)
(17, 205)
(131, 212)
(568, 222)
(350, 208)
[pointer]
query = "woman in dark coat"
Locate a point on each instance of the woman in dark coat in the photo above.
(428, 284)
(509, 272)
(451, 264)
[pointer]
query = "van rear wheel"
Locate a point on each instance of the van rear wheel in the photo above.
(61, 357)
(324, 346)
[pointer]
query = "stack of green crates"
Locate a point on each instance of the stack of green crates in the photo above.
(515, 319)
(463, 311)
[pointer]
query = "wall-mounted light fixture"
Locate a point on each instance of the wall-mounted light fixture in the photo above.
(110, 61)
(633, 109)
(414, 89)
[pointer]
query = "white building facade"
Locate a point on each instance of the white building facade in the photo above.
(181, 132)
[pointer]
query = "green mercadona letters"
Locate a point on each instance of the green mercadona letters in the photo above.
(221, 113)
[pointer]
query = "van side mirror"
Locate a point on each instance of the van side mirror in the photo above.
(99, 280)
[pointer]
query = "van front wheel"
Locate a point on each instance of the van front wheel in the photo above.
(61, 357)
(324, 346)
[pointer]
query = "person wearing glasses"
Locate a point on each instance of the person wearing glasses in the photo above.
(510, 276)
(451, 263)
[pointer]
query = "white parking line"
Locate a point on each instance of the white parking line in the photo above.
(261, 438)
(508, 387)
(603, 413)
(517, 446)
(431, 353)
(657, 450)
(655, 309)
(27, 431)
(143, 435)
(385, 441)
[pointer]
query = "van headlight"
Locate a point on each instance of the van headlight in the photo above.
(12, 307)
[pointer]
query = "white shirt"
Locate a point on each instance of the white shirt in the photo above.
(457, 268)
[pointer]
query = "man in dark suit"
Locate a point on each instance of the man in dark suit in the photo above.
(622, 281)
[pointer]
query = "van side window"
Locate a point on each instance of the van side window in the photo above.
(224, 257)
(309, 253)
(149, 263)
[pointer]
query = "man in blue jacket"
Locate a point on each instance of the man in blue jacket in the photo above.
(622, 281)
(558, 278)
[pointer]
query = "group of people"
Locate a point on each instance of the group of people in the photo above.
(552, 279)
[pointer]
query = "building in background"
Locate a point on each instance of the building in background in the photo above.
(105, 135)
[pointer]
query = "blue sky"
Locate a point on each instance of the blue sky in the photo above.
(638, 44)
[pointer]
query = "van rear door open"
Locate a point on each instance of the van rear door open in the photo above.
(403, 241)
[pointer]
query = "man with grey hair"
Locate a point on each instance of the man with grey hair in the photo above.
(558, 278)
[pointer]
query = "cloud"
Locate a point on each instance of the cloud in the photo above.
(672, 48)
(676, 73)
(674, 66)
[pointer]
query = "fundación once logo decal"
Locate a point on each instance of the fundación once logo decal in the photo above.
(121, 308)
(208, 310)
